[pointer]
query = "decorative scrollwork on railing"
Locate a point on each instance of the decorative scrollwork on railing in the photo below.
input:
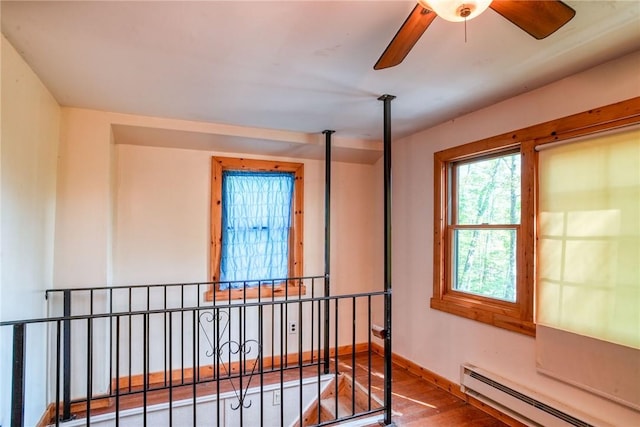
(248, 352)
(244, 350)
(222, 322)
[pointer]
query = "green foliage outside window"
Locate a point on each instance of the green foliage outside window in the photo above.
(485, 219)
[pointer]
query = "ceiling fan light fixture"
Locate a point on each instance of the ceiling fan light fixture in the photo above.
(456, 10)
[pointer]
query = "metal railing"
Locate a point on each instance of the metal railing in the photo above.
(165, 350)
(130, 328)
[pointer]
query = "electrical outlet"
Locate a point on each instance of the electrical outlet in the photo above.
(276, 397)
(293, 327)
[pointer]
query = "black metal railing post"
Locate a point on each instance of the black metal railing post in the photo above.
(327, 242)
(386, 99)
(221, 331)
(18, 379)
(66, 362)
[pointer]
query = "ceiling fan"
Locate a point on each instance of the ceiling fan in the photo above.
(539, 18)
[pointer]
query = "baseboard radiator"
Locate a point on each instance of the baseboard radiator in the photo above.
(519, 403)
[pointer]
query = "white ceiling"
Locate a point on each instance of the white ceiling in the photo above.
(301, 66)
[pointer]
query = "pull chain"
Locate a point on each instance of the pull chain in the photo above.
(464, 11)
(465, 29)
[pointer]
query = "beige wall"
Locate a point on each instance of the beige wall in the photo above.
(83, 217)
(440, 341)
(130, 214)
(30, 128)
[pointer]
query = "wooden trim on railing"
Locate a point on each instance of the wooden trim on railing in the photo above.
(49, 414)
(157, 379)
(207, 372)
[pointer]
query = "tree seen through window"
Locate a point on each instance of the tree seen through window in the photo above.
(485, 223)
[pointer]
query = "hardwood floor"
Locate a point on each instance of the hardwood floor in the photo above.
(415, 402)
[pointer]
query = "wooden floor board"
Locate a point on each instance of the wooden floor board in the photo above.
(418, 403)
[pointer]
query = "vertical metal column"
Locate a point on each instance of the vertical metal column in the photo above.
(327, 242)
(66, 367)
(386, 99)
(17, 380)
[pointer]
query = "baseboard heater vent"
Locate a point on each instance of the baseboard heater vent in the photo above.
(516, 401)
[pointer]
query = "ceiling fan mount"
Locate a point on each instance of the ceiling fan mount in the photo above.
(456, 10)
(538, 18)
(463, 11)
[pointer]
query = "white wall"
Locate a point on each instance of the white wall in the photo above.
(162, 232)
(162, 208)
(130, 214)
(440, 341)
(30, 132)
(84, 206)
(155, 239)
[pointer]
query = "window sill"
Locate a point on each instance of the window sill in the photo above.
(261, 292)
(498, 314)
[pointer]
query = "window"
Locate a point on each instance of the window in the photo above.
(256, 228)
(256, 220)
(484, 225)
(485, 218)
(479, 218)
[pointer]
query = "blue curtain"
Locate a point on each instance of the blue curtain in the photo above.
(256, 218)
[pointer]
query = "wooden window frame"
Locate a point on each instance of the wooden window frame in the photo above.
(510, 315)
(294, 285)
(518, 316)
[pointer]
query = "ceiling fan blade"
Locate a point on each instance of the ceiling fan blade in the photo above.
(539, 18)
(406, 37)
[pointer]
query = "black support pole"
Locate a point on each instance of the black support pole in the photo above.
(327, 243)
(17, 380)
(386, 99)
(66, 362)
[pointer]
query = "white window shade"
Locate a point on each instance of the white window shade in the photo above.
(588, 252)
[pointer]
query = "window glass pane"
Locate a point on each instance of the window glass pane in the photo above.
(485, 262)
(256, 219)
(488, 190)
